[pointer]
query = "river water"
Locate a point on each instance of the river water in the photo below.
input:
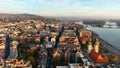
(111, 35)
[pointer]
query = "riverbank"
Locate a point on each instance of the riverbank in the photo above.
(113, 50)
(110, 35)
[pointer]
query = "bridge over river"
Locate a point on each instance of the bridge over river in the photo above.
(102, 24)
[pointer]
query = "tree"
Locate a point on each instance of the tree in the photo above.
(106, 57)
(114, 58)
(32, 60)
(107, 50)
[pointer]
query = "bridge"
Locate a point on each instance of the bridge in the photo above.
(110, 25)
(102, 24)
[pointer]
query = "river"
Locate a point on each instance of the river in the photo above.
(111, 35)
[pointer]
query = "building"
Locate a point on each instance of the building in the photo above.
(56, 58)
(96, 45)
(13, 50)
(90, 47)
(53, 39)
(45, 33)
(4, 45)
(14, 63)
(93, 45)
(96, 57)
(86, 33)
(110, 24)
(69, 37)
(62, 66)
(49, 45)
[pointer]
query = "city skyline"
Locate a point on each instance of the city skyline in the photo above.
(59, 34)
(76, 8)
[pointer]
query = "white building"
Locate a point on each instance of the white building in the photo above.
(110, 24)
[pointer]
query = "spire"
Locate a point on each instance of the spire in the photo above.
(90, 46)
(90, 43)
(97, 41)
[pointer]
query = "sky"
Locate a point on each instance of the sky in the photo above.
(77, 8)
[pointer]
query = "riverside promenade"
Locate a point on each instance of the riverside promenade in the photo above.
(113, 50)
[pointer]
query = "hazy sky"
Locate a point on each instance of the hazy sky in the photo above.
(86, 8)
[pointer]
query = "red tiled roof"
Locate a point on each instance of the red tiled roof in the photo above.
(97, 58)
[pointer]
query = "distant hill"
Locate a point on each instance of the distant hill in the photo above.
(65, 18)
(21, 17)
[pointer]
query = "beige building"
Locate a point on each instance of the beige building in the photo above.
(85, 33)
(69, 37)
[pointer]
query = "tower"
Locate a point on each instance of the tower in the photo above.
(89, 46)
(96, 45)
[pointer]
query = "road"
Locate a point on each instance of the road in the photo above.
(112, 48)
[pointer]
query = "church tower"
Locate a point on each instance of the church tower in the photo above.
(96, 45)
(89, 46)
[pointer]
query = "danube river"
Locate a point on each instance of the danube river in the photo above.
(111, 35)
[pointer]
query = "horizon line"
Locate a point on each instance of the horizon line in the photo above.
(84, 17)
